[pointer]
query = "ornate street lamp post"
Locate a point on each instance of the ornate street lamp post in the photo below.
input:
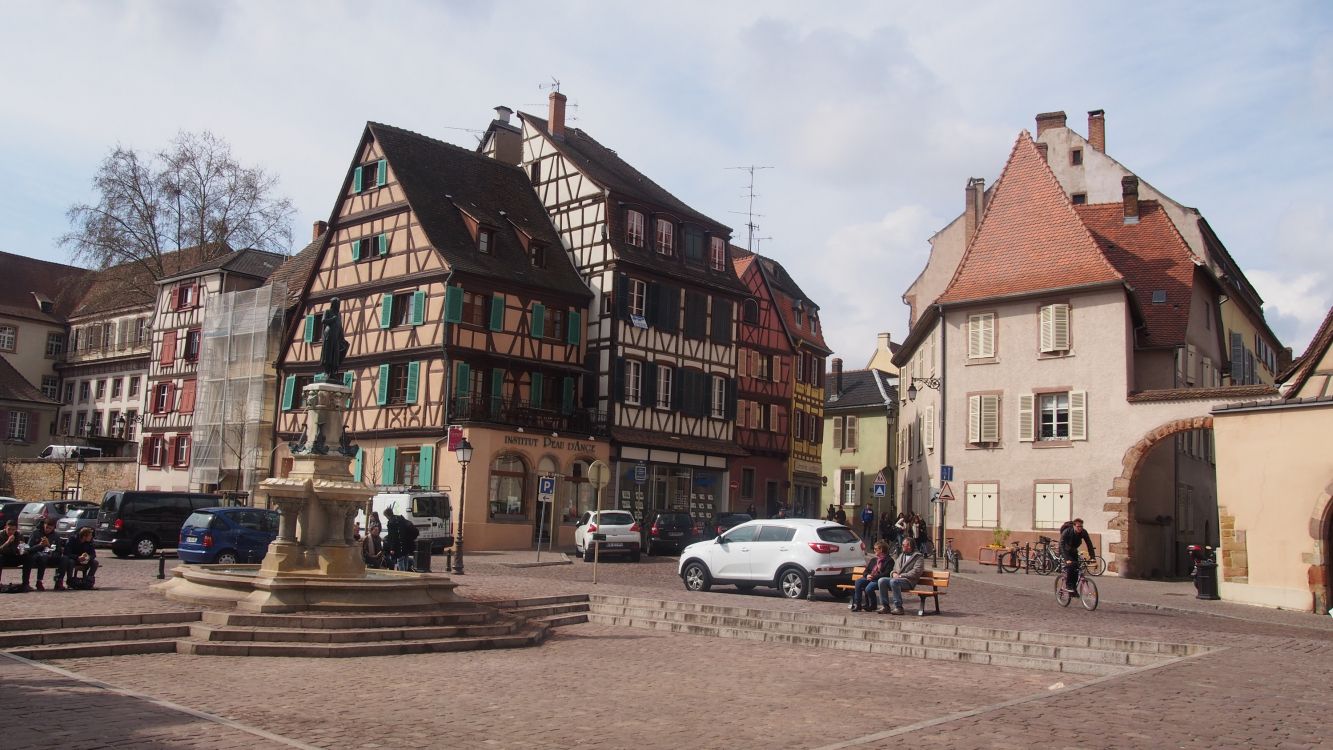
(79, 466)
(464, 456)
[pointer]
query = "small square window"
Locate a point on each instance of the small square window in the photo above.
(1079, 198)
(401, 312)
(1076, 157)
(192, 345)
(8, 338)
(538, 256)
(485, 239)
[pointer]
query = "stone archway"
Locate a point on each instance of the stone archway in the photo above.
(1321, 530)
(1121, 493)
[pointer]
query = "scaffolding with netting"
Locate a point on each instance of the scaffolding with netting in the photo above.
(237, 384)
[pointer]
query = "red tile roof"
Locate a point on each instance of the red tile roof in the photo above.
(1153, 257)
(1030, 238)
(1295, 377)
(1195, 394)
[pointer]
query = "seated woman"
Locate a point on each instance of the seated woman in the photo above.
(80, 555)
(372, 545)
(12, 551)
(863, 597)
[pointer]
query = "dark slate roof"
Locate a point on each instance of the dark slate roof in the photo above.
(1299, 372)
(785, 293)
(859, 390)
(130, 285)
(26, 280)
(14, 387)
(605, 168)
(295, 271)
(441, 180)
(259, 264)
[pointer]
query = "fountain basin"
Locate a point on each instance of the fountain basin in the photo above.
(248, 589)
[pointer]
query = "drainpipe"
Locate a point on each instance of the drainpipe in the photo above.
(944, 401)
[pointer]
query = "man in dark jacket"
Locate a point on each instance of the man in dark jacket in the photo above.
(1071, 535)
(43, 552)
(79, 553)
(911, 565)
(401, 539)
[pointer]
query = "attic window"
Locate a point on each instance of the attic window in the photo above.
(1159, 297)
(1076, 157)
(538, 255)
(1079, 198)
(718, 253)
(370, 175)
(535, 171)
(485, 238)
(45, 305)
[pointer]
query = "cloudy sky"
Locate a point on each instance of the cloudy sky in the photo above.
(872, 115)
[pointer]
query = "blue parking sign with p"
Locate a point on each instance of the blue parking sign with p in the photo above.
(546, 485)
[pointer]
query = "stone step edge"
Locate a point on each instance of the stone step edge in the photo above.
(102, 648)
(20, 638)
(535, 601)
(530, 637)
(344, 635)
(905, 650)
(85, 621)
(346, 622)
(557, 621)
(915, 624)
(551, 609)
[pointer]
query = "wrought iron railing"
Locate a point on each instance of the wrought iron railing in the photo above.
(527, 415)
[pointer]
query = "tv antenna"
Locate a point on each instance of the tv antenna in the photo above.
(572, 108)
(750, 215)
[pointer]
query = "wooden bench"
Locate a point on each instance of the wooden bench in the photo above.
(931, 586)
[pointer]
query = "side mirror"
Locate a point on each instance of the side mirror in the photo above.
(720, 539)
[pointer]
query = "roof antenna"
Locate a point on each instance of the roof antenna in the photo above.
(554, 85)
(571, 108)
(750, 226)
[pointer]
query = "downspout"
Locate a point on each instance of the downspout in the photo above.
(944, 422)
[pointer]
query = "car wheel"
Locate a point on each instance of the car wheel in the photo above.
(226, 557)
(588, 555)
(696, 577)
(792, 583)
(145, 546)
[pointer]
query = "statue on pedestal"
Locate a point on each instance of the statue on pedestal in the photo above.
(333, 347)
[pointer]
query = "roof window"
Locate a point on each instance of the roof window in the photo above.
(1159, 297)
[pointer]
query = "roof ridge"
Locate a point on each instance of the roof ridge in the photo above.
(437, 142)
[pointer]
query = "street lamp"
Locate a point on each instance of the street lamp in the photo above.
(464, 456)
(927, 382)
(79, 466)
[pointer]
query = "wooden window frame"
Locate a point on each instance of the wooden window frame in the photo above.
(664, 237)
(633, 395)
(717, 253)
(635, 227)
(665, 386)
(637, 298)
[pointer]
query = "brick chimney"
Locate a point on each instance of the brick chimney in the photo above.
(1097, 129)
(1129, 189)
(556, 116)
(974, 203)
(1048, 120)
(320, 228)
(837, 376)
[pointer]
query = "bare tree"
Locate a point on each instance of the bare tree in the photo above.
(193, 194)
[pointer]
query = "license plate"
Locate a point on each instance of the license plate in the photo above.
(192, 539)
(103, 525)
(612, 545)
(675, 533)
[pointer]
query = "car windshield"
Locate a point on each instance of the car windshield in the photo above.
(81, 513)
(676, 518)
(733, 519)
(199, 520)
(617, 519)
(430, 506)
(838, 534)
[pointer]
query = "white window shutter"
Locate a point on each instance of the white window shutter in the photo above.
(1191, 357)
(1060, 327)
(856, 490)
(1048, 328)
(837, 433)
(974, 337)
(930, 428)
(990, 419)
(974, 419)
(1078, 415)
(988, 335)
(1026, 418)
(930, 365)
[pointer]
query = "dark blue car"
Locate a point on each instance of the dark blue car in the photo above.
(226, 536)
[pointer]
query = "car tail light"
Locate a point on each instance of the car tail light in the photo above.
(592, 527)
(182, 536)
(697, 528)
(718, 530)
(823, 548)
(208, 540)
(654, 530)
(118, 525)
(635, 527)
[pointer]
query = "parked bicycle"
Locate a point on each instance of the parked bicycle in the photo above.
(951, 554)
(1086, 588)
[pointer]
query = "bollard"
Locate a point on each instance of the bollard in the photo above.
(161, 565)
(448, 559)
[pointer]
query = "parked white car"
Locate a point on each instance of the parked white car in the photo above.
(790, 554)
(615, 531)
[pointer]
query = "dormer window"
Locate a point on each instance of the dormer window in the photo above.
(186, 295)
(538, 255)
(634, 228)
(485, 239)
(370, 175)
(718, 254)
(666, 237)
(694, 245)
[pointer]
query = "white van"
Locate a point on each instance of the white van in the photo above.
(428, 510)
(71, 452)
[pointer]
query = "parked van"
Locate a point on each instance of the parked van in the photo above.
(133, 522)
(430, 511)
(70, 452)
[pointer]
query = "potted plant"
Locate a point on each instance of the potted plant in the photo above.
(998, 538)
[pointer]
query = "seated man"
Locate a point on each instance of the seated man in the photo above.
(911, 565)
(80, 554)
(43, 553)
(12, 549)
(863, 596)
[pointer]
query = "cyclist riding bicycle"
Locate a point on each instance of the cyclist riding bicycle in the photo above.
(1071, 534)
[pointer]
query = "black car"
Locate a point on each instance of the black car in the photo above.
(140, 523)
(721, 522)
(10, 509)
(671, 532)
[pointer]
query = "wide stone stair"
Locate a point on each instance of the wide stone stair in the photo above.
(508, 624)
(898, 636)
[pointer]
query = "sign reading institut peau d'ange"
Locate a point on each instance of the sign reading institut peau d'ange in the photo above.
(550, 443)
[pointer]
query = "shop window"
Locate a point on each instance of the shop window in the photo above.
(508, 487)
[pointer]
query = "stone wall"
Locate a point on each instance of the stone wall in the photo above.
(1235, 557)
(35, 479)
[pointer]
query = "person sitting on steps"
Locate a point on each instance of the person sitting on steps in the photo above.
(43, 552)
(863, 596)
(911, 565)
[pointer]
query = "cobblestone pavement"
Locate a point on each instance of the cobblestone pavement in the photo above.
(603, 687)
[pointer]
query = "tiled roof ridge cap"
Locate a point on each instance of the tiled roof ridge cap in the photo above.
(437, 142)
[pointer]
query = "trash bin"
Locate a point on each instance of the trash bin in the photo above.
(1205, 579)
(423, 556)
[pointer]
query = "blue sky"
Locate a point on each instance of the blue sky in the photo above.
(872, 115)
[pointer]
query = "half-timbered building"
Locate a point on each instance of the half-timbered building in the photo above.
(177, 335)
(661, 329)
(459, 307)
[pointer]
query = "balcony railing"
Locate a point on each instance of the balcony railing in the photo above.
(103, 351)
(525, 414)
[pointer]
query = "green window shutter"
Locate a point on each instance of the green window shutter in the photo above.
(535, 390)
(390, 475)
(413, 377)
(288, 392)
(386, 311)
(426, 466)
(567, 403)
(382, 244)
(453, 304)
(463, 379)
(356, 249)
(356, 465)
(382, 395)
(418, 308)
(575, 334)
(356, 180)
(381, 172)
(309, 334)
(349, 380)
(538, 319)
(498, 312)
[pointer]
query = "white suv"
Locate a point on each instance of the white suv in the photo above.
(790, 554)
(618, 530)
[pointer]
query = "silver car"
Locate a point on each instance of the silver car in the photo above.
(76, 518)
(32, 513)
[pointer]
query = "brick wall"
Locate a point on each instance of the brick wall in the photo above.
(34, 479)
